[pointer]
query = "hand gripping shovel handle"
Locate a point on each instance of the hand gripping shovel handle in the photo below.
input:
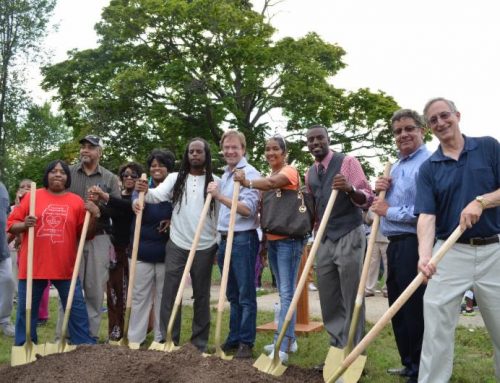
(364, 274)
(29, 272)
(189, 263)
(307, 267)
(74, 277)
(133, 260)
(227, 262)
(407, 293)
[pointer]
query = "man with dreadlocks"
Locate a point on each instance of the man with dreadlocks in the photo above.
(187, 190)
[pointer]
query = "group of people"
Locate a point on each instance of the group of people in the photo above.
(427, 196)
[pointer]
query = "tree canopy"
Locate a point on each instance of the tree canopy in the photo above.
(166, 71)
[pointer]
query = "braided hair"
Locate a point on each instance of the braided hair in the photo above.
(185, 168)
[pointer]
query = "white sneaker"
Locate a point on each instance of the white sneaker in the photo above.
(8, 329)
(269, 348)
(312, 287)
(283, 356)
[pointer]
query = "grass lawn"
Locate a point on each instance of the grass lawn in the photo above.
(473, 350)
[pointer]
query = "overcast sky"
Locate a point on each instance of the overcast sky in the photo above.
(412, 50)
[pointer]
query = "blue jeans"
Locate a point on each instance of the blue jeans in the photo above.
(78, 320)
(284, 256)
(241, 287)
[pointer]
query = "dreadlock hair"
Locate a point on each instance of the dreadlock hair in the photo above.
(185, 168)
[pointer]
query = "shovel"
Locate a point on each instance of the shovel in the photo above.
(344, 370)
(273, 365)
(62, 345)
(336, 355)
(28, 351)
(225, 273)
(135, 248)
(169, 344)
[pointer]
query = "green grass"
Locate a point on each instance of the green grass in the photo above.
(473, 350)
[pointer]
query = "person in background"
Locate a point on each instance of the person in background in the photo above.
(122, 215)
(378, 259)
(7, 284)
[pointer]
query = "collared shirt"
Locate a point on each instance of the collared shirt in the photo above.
(402, 194)
(250, 197)
(81, 182)
(351, 169)
(446, 186)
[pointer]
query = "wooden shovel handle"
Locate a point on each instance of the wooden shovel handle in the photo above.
(29, 271)
(74, 277)
(135, 245)
(403, 298)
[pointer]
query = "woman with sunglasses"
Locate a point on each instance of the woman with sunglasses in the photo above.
(120, 211)
(284, 253)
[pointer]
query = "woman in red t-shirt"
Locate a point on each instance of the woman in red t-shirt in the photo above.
(58, 222)
(283, 252)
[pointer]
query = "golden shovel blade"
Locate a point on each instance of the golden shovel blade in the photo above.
(26, 353)
(221, 354)
(269, 365)
(166, 347)
(334, 360)
(56, 348)
(134, 345)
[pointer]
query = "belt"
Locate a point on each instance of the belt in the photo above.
(223, 234)
(479, 241)
(399, 237)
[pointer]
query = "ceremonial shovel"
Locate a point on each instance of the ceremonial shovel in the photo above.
(336, 355)
(344, 370)
(28, 351)
(62, 345)
(169, 344)
(133, 261)
(273, 365)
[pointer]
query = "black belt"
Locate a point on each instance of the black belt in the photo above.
(479, 241)
(399, 237)
(223, 234)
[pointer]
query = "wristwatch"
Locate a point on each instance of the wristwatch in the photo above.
(353, 190)
(482, 201)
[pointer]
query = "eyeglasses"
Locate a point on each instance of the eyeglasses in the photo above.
(406, 129)
(443, 116)
(130, 175)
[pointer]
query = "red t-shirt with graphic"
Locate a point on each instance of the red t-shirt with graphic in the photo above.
(59, 223)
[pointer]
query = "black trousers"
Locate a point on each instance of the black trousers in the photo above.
(408, 323)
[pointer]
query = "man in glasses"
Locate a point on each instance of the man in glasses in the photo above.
(458, 185)
(399, 224)
(94, 270)
(340, 256)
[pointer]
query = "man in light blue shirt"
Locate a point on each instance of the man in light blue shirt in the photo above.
(241, 286)
(399, 224)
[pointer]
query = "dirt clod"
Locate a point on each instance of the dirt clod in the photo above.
(119, 364)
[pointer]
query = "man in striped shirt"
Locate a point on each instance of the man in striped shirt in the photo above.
(399, 224)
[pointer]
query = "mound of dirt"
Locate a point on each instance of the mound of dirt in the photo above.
(119, 364)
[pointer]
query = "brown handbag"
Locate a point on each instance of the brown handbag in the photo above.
(287, 212)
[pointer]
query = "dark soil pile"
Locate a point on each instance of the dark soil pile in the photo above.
(119, 364)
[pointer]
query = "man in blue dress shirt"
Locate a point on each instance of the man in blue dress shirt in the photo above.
(399, 225)
(241, 283)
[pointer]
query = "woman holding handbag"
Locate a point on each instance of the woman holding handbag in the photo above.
(281, 188)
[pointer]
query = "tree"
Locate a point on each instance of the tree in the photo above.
(23, 24)
(165, 71)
